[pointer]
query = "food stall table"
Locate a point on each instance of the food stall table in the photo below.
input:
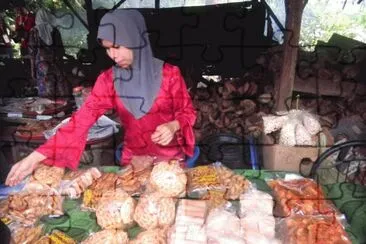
(79, 224)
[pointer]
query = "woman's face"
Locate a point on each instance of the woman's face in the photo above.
(119, 54)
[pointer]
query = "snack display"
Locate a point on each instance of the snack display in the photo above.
(153, 236)
(300, 196)
(115, 210)
(235, 184)
(107, 237)
(154, 210)
(92, 195)
(201, 179)
(168, 178)
(313, 229)
(76, 182)
(28, 207)
(27, 235)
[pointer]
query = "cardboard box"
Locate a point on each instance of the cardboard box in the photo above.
(284, 158)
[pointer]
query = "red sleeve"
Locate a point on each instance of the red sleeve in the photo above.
(30, 23)
(65, 148)
(184, 112)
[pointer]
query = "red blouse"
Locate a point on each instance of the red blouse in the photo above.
(172, 103)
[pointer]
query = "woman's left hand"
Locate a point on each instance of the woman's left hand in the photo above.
(164, 133)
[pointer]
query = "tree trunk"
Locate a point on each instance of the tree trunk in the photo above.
(285, 82)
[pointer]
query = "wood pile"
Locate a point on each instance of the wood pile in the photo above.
(327, 89)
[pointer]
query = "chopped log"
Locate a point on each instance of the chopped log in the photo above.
(318, 86)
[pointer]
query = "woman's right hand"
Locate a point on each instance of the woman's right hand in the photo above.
(23, 168)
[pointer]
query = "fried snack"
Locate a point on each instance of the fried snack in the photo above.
(202, 179)
(314, 229)
(235, 184)
(115, 210)
(215, 199)
(27, 235)
(153, 236)
(128, 181)
(4, 207)
(55, 238)
(300, 196)
(154, 210)
(44, 178)
(141, 163)
(168, 178)
(107, 237)
(132, 181)
(28, 207)
(76, 182)
(104, 183)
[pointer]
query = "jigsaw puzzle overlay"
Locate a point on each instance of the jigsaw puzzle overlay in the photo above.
(229, 68)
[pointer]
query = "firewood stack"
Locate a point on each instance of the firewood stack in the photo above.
(236, 105)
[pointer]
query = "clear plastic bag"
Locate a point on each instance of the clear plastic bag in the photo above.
(153, 236)
(26, 208)
(223, 226)
(76, 182)
(21, 234)
(44, 178)
(115, 210)
(255, 202)
(189, 222)
(91, 196)
(312, 229)
(234, 184)
(202, 179)
(300, 196)
(168, 178)
(154, 210)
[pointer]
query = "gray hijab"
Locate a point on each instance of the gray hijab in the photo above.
(139, 85)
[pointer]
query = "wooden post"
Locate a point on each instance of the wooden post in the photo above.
(285, 82)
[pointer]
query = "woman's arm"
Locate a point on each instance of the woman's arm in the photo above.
(184, 116)
(65, 148)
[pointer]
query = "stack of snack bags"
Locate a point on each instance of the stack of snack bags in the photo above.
(223, 226)
(189, 223)
(155, 211)
(308, 216)
(257, 220)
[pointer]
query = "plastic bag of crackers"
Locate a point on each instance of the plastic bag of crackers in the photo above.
(115, 210)
(134, 179)
(74, 183)
(44, 178)
(298, 229)
(25, 234)
(91, 197)
(168, 178)
(27, 207)
(154, 210)
(153, 236)
(109, 236)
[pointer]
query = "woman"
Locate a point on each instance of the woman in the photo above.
(47, 51)
(150, 97)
